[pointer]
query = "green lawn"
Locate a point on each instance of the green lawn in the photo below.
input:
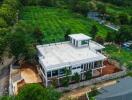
(120, 54)
(54, 21)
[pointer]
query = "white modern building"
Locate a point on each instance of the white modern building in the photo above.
(79, 55)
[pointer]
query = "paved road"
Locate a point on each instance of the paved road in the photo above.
(4, 81)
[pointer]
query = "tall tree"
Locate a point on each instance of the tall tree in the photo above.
(124, 34)
(94, 31)
(101, 8)
(99, 39)
(68, 32)
(38, 35)
(76, 77)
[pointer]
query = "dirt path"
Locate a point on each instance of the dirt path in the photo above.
(81, 91)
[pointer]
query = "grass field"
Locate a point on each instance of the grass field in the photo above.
(54, 21)
(122, 55)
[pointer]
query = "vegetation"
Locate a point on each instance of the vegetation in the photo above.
(88, 75)
(54, 22)
(122, 55)
(35, 92)
(76, 77)
(66, 79)
(93, 93)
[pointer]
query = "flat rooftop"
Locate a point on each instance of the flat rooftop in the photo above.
(80, 36)
(95, 45)
(64, 54)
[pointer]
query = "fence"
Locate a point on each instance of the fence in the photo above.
(93, 81)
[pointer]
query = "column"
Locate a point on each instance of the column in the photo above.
(93, 65)
(92, 72)
(46, 80)
(102, 63)
(88, 66)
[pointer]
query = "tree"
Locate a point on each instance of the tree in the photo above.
(65, 80)
(88, 75)
(99, 39)
(123, 18)
(50, 3)
(35, 92)
(20, 41)
(2, 45)
(94, 31)
(68, 32)
(12, 3)
(111, 36)
(91, 6)
(76, 77)
(101, 8)
(124, 34)
(2, 23)
(38, 35)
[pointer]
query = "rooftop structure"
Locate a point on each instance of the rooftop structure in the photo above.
(79, 36)
(121, 91)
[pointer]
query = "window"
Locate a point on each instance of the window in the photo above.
(84, 42)
(78, 67)
(55, 73)
(98, 64)
(61, 71)
(82, 66)
(90, 65)
(49, 74)
(74, 68)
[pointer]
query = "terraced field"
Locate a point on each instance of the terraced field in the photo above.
(54, 21)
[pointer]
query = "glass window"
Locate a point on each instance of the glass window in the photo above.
(74, 68)
(98, 64)
(90, 65)
(82, 66)
(84, 42)
(55, 73)
(78, 67)
(49, 74)
(62, 71)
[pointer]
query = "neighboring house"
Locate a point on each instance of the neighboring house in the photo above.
(79, 55)
(120, 91)
(127, 45)
(96, 16)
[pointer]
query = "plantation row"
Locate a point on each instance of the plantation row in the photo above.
(54, 21)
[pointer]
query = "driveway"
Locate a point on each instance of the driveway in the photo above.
(4, 81)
